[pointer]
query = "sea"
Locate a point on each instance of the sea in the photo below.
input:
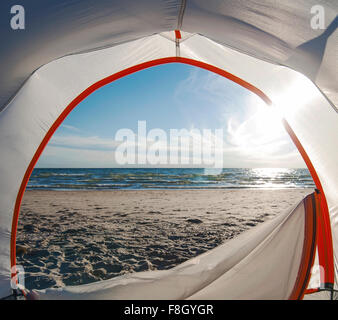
(168, 178)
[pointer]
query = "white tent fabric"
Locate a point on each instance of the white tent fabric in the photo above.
(67, 46)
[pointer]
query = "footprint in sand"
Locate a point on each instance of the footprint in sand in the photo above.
(119, 214)
(229, 224)
(100, 273)
(29, 228)
(21, 250)
(250, 224)
(194, 221)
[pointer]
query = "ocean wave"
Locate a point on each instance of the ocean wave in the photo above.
(98, 179)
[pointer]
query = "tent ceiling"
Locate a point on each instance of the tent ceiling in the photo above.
(279, 32)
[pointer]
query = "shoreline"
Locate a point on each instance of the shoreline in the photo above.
(170, 188)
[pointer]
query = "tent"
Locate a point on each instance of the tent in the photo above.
(277, 50)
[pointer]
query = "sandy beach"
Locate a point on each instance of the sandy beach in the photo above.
(77, 237)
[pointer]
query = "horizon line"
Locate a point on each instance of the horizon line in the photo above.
(170, 168)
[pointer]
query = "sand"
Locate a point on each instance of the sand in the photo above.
(77, 237)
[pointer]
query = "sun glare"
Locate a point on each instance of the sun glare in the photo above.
(261, 128)
(294, 97)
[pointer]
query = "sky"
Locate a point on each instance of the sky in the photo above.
(172, 96)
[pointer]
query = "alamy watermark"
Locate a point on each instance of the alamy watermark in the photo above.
(179, 147)
(318, 17)
(17, 21)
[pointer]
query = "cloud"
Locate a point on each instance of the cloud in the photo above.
(80, 142)
(241, 148)
(70, 128)
(61, 157)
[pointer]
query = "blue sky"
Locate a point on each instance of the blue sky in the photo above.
(172, 96)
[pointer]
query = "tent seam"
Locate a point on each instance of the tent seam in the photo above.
(181, 14)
